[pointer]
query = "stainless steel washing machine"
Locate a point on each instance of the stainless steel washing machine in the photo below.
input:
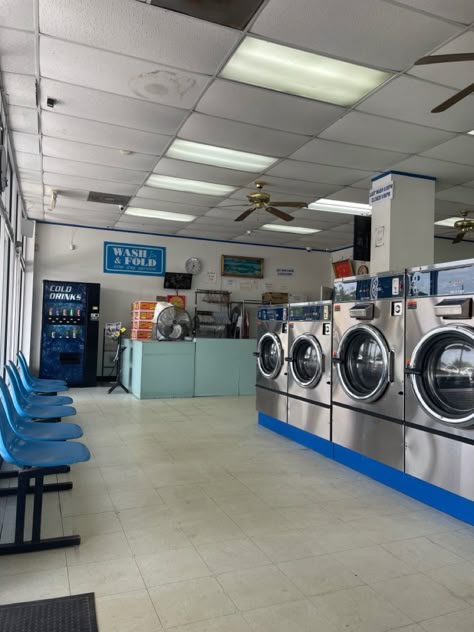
(368, 366)
(272, 351)
(439, 400)
(309, 367)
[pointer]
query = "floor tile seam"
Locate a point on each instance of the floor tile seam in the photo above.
(149, 596)
(444, 565)
(215, 574)
(445, 547)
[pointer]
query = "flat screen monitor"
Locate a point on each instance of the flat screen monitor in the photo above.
(178, 281)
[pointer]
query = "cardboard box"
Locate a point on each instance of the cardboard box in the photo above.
(275, 297)
(142, 324)
(141, 334)
(142, 315)
(143, 305)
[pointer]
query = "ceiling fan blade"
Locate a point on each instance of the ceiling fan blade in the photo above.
(459, 237)
(443, 59)
(279, 214)
(454, 99)
(245, 214)
(291, 204)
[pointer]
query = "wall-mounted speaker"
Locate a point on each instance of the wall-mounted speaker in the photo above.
(362, 227)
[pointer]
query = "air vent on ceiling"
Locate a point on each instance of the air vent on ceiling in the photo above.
(234, 13)
(108, 198)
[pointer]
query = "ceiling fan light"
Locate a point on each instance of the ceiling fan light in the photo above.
(189, 186)
(285, 69)
(471, 132)
(339, 206)
(219, 156)
(298, 230)
(449, 221)
(164, 215)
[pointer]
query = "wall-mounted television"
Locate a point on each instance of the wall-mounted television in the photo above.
(178, 281)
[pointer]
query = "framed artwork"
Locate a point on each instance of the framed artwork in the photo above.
(342, 268)
(248, 267)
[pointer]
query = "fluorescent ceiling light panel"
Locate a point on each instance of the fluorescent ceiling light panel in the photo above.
(294, 71)
(283, 228)
(339, 206)
(449, 221)
(171, 217)
(471, 132)
(219, 156)
(189, 186)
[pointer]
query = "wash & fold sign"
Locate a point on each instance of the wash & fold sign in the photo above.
(134, 259)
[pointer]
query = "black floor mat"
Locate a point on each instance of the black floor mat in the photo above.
(65, 614)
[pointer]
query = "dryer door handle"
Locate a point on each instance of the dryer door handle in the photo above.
(289, 359)
(337, 360)
(409, 371)
(256, 354)
(391, 367)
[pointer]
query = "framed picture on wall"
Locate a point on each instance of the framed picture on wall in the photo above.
(249, 267)
(342, 268)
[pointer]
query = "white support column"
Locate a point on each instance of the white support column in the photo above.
(403, 218)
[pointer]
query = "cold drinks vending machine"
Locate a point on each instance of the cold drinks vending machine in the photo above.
(70, 332)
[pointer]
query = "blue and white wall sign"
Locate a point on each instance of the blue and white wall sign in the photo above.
(381, 193)
(134, 259)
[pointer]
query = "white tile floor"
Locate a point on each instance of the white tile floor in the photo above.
(195, 519)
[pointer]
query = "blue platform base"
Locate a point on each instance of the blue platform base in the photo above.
(456, 506)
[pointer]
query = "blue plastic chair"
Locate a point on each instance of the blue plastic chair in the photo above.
(35, 411)
(31, 398)
(31, 430)
(37, 385)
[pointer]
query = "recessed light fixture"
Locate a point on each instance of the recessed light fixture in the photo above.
(449, 221)
(339, 206)
(471, 132)
(219, 156)
(171, 217)
(294, 71)
(189, 186)
(282, 228)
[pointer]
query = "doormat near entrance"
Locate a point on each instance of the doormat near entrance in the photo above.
(64, 614)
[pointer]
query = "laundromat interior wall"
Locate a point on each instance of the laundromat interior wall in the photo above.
(65, 253)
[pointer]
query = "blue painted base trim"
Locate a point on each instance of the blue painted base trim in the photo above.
(457, 506)
(296, 434)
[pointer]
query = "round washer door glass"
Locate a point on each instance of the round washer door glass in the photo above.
(363, 367)
(306, 361)
(270, 358)
(444, 375)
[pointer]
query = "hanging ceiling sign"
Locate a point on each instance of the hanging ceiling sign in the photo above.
(381, 193)
(134, 259)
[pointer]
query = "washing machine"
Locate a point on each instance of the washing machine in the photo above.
(309, 367)
(439, 400)
(368, 366)
(271, 354)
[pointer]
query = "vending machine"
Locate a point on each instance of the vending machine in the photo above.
(70, 332)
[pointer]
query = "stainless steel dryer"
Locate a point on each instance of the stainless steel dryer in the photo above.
(368, 367)
(439, 408)
(309, 367)
(272, 350)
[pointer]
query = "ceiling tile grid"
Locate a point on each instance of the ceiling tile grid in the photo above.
(128, 78)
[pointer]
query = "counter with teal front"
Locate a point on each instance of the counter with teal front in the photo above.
(206, 367)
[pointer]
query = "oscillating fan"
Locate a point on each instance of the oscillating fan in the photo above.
(171, 323)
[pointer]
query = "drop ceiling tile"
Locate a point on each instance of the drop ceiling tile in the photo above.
(65, 202)
(344, 229)
(76, 221)
(459, 149)
(94, 133)
(366, 31)
(109, 72)
(444, 171)
(97, 172)
(17, 51)
(29, 175)
(241, 195)
(343, 155)
(162, 205)
(181, 197)
(28, 161)
(409, 99)
(19, 89)
(111, 108)
(69, 150)
(31, 189)
(207, 173)
(321, 219)
(240, 136)
(23, 119)
(18, 14)
(458, 10)
(459, 74)
(465, 195)
(59, 181)
(142, 223)
(317, 173)
(358, 128)
(28, 143)
(309, 190)
(446, 208)
(249, 104)
(263, 237)
(76, 213)
(224, 212)
(351, 194)
(140, 30)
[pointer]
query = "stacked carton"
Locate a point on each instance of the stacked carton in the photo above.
(142, 320)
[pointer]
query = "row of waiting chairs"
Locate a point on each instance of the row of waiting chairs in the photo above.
(32, 440)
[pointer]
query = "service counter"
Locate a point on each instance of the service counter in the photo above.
(205, 367)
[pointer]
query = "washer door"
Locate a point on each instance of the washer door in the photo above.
(364, 363)
(442, 374)
(306, 361)
(270, 355)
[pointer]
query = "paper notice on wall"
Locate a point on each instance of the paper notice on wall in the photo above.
(211, 277)
(379, 236)
(285, 271)
(267, 287)
(381, 193)
(245, 285)
(229, 284)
